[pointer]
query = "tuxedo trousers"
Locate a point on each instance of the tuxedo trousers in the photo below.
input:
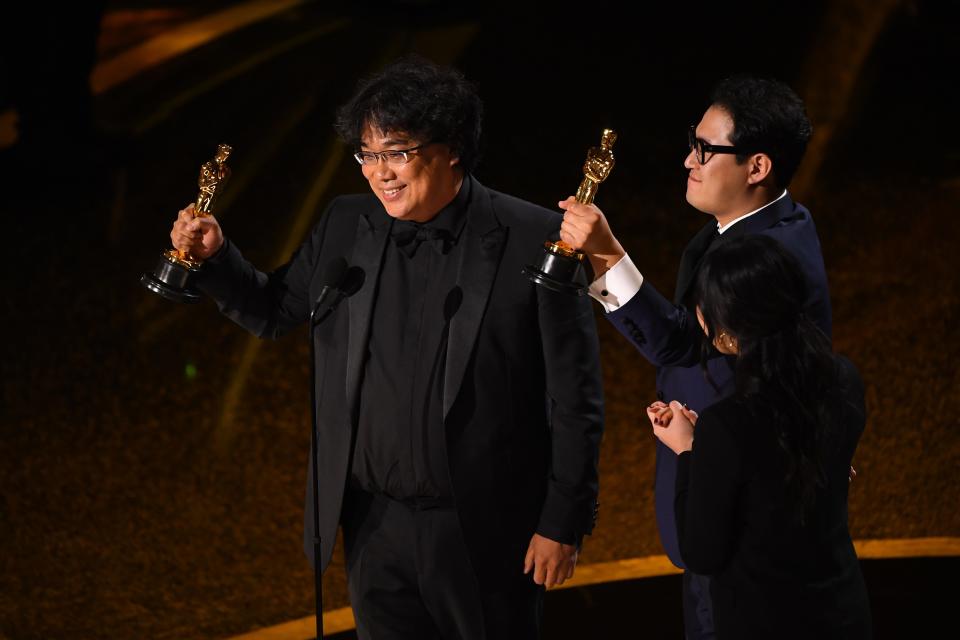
(410, 577)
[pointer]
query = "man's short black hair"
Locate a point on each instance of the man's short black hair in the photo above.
(768, 117)
(428, 102)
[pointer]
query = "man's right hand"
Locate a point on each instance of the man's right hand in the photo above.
(198, 237)
(585, 228)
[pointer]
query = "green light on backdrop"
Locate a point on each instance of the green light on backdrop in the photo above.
(190, 371)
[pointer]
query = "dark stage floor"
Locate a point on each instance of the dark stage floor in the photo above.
(905, 604)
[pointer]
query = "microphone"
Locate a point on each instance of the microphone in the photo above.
(333, 274)
(352, 281)
(451, 304)
(342, 282)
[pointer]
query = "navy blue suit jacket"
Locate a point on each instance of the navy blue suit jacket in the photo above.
(669, 336)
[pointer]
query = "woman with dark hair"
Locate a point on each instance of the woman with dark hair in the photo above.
(761, 494)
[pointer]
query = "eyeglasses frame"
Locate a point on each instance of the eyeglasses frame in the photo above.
(702, 147)
(381, 155)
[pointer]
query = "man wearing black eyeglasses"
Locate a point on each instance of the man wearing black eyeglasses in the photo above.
(742, 155)
(459, 406)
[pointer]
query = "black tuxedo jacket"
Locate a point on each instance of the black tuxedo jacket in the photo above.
(669, 336)
(522, 397)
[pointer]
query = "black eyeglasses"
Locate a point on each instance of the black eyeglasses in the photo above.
(394, 157)
(703, 148)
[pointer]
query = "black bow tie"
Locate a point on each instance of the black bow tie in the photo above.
(409, 235)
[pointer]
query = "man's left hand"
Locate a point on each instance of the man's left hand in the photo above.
(551, 562)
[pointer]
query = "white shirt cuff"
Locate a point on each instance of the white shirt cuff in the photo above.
(620, 283)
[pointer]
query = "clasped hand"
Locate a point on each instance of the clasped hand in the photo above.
(673, 425)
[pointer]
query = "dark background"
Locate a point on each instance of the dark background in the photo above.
(152, 456)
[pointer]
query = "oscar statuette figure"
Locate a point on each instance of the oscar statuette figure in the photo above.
(172, 275)
(561, 267)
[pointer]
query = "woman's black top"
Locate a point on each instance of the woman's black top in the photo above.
(773, 577)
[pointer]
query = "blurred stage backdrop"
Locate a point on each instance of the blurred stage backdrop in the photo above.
(152, 457)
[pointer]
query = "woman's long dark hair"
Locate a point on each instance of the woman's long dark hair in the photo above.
(753, 289)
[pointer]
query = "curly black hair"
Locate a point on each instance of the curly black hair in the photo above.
(768, 117)
(428, 102)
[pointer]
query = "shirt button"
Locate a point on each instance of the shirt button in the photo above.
(604, 292)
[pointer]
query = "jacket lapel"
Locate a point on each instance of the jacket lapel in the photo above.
(484, 240)
(692, 255)
(703, 243)
(780, 210)
(368, 248)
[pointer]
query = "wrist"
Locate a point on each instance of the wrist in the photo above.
(603, 262)
(217, 252)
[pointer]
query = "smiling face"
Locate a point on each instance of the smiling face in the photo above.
(720, 185)
(419, 189)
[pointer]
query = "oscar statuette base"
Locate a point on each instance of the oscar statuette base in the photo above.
(171, 279)
(559, 269)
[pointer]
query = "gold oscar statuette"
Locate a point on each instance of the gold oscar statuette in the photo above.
(561, 267)
(172, 275)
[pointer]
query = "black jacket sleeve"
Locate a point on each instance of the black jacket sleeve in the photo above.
(573, 382)
(265, 304)
(706, 496)
(667, 335)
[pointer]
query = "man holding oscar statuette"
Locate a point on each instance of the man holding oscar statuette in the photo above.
(741, 157)
(459, 406)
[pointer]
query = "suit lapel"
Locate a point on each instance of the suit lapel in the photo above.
(484, 240)
(704, 243)
(371, 237)
(692, 255)
(782, 209)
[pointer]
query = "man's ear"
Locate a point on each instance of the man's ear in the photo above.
(759, 166)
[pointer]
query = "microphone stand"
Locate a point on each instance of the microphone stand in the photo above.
(314, 454)
(349, 282)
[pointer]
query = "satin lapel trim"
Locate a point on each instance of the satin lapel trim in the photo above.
(769, 217)
(484, 241)
(368, 251)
